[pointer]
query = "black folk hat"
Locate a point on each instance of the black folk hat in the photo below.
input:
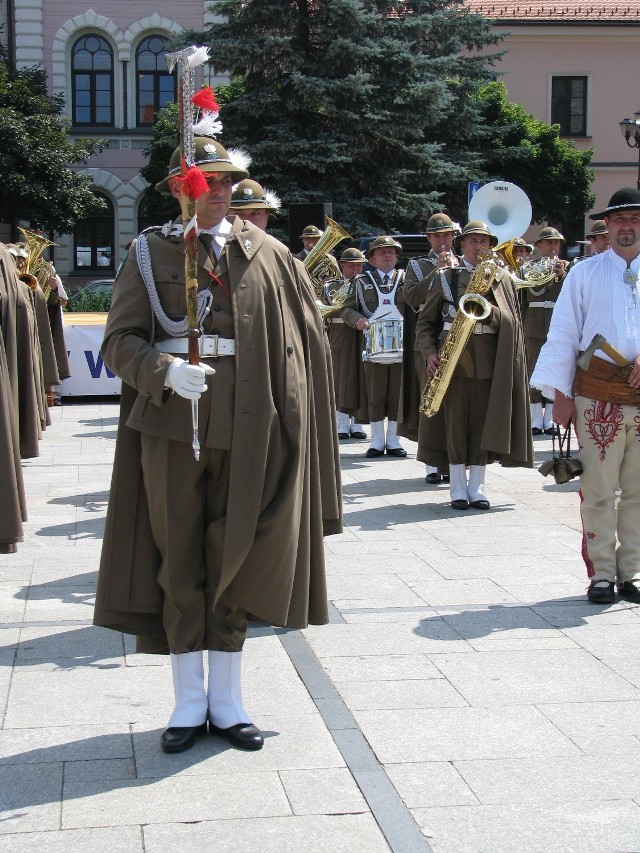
(627, 198)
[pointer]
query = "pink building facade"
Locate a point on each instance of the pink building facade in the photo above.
(576, 64)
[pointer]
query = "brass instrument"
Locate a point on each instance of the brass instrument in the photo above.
(37, 270)
(473, 308)
(337, 297)
(319, 263)
(531, 273)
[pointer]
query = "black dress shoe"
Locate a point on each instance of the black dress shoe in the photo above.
(602, 592)
(373, 453)
(242, 735)
(445, 478)
(343, 436)
(550, 431)
(179, 738)
(433, 479)
(536, 431)
(396, 451)
(629, 591)
(358, 434)
(460, 503)
(483, 503)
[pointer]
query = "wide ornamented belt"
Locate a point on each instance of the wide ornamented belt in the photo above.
(606, 381)
(210, 346)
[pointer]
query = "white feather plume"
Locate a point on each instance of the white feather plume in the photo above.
(272, 199)
(208, 125)
(240, 158)
(199, 56)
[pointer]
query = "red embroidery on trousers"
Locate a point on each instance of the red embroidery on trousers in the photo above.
(602, 421)
(586, 535)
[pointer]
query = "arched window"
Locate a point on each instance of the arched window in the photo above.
(92, 81)
(155, 86)
(94, 240)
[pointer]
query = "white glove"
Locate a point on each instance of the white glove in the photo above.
(187, 380)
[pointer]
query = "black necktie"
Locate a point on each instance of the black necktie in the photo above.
(206, 238)
(385, 282)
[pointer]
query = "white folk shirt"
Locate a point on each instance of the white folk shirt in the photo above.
(594, 300)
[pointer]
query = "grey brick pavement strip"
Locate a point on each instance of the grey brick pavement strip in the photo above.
(396, 823)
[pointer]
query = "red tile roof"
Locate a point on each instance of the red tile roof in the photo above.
(563, 11)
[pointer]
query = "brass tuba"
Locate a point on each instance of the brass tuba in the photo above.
(319, 263)
(37, 270)
(473, 308)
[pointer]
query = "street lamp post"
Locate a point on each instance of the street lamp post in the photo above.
(631, 131)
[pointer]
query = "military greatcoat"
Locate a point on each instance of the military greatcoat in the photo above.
(270, 406)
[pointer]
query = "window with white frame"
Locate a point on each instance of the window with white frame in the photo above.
(92, 81)
(155, 87)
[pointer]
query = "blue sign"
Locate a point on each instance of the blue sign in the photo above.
(472, 189)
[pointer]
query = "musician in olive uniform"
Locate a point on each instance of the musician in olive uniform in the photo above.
(194, 546)
(253, 203)
(485, 414)
(377, 295)
(351, 263)
(310, 236)
(440, 232)
(538, 304)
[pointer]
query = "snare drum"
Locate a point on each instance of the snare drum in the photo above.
(383, 341)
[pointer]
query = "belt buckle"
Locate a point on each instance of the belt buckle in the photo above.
(213, 338)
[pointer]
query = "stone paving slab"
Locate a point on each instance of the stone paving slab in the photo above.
(465, 697)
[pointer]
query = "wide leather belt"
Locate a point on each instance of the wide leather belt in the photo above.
(478, 329)
(540, 304)
(607, 382)
(210, 346)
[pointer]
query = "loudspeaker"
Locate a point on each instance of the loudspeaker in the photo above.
(301, 215)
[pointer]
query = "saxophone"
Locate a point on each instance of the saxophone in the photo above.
(473, 308)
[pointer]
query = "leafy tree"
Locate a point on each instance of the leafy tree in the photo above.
(357, 102)
(520, 148)
(37, 183)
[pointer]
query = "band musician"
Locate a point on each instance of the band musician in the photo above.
(484, 415)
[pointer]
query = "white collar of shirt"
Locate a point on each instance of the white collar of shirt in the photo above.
(467, 265)
(219, 233)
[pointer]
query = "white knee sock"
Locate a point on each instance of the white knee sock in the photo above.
(537, 421)
(458, 483)
(343, 422)
(476, 482)
(377, 435)
(392, 436)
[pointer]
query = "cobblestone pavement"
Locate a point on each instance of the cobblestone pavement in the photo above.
(464, 699)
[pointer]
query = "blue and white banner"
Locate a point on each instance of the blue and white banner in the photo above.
(89, 374)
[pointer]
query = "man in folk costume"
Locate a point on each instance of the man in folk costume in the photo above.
(351, 263)
(485, 414)
(440, 232)
(537, 306)
(202, 537)
(601, 296)
(377, 295)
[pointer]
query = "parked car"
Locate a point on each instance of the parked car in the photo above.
(98, 285)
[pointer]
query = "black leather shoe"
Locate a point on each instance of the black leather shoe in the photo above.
(602, 592)
(373, 453)
(358, 434)
(550, 431)
(179, 738)
(536, 431)
(242, 735)
(396, 451)
(483, 503)
(460, 503)
(629, 591)
(433, 479)
(343, 436)
(445, 478)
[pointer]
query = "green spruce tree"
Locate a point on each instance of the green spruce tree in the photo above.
(37, 182)
(370, 105)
